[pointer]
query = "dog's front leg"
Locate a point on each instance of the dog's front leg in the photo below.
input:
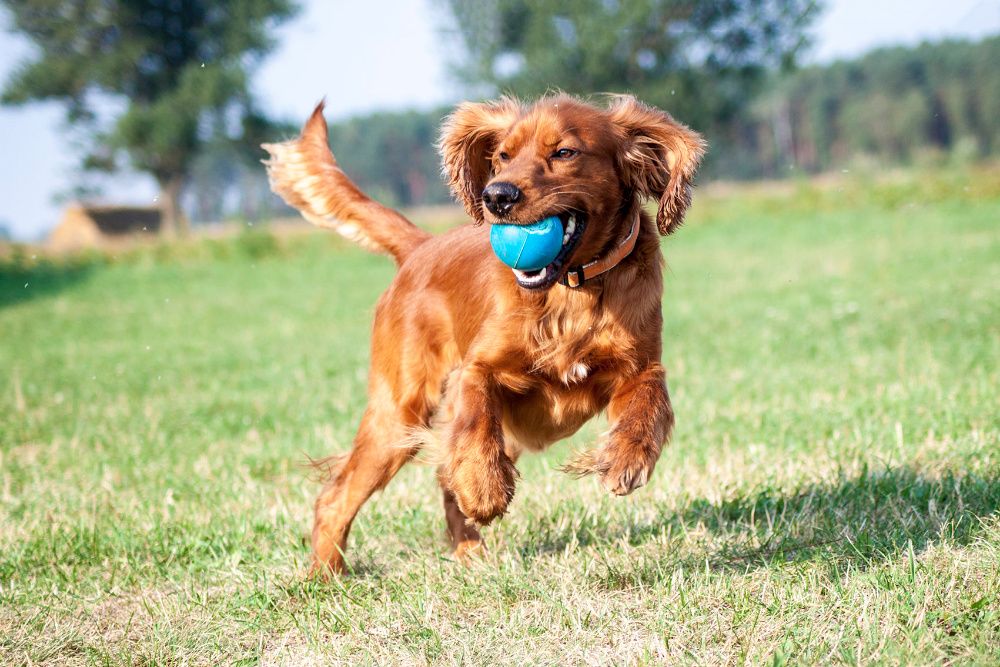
(641, 421)
(478, 471)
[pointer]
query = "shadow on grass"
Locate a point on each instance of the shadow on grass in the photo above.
(23, 280)
(855, 522)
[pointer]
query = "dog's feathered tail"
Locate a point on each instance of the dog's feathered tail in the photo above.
(305, 174)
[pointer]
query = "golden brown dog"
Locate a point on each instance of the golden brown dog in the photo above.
(496, 361)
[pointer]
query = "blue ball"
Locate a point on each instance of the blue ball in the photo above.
(528, 247)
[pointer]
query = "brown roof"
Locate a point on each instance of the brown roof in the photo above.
(115, 220)
(88, 226)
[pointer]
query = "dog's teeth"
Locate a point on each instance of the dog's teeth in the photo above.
(525, 278)
(570, 228)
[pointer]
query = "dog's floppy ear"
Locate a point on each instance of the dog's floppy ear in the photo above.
(658, 157)
(468, 139)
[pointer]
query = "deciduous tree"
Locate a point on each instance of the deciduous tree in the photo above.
(149, 79)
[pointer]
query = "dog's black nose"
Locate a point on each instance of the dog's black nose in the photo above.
(501, 197)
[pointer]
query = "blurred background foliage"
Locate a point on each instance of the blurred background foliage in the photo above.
(172, 77)
(728, 69)
(892, 106)
(155, 82)
(935, 102)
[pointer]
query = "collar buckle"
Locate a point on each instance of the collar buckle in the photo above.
(574, 277)
(577, 275)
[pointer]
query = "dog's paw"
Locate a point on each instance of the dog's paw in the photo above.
(468, 550)
(621, 465)
(623, 476)
(482, 489)
(326, 571)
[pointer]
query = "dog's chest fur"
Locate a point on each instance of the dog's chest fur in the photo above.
(576, 334)
(577, 350)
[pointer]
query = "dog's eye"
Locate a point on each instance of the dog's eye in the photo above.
(504, 156)
(565, 153)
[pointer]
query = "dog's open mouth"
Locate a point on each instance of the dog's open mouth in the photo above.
(573, 226)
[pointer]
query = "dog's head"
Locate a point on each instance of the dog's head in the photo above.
(512, 163)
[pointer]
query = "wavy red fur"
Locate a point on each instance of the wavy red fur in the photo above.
(465, 358)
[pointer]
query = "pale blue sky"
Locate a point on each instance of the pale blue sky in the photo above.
(389, 54)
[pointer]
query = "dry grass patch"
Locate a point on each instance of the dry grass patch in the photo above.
(831, 494)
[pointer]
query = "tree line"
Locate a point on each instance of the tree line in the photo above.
(894, 106)
(163, 87)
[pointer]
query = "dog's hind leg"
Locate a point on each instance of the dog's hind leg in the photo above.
(380, 450)
(463, 535)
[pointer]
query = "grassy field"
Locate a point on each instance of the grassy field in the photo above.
(832, 493)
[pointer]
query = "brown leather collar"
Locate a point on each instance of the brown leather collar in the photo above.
(578, 275)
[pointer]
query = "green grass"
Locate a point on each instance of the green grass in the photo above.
(832, 493)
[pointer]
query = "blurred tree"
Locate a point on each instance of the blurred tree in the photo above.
(895, 105)
(392, 154)
(171, 74)
(700, 59)
(226, 177)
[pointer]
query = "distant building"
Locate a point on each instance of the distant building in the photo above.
(88, 226)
